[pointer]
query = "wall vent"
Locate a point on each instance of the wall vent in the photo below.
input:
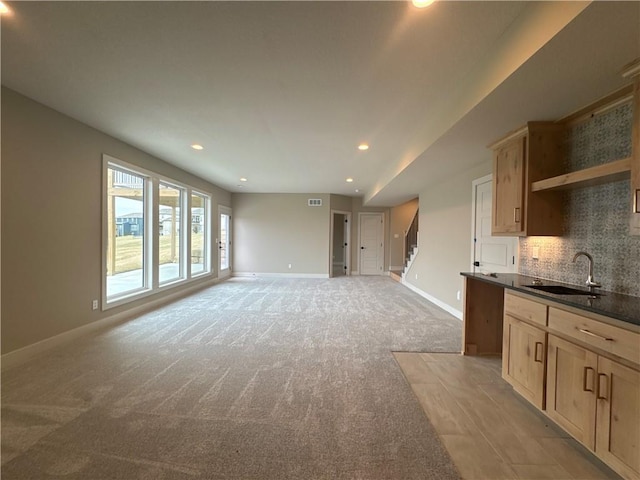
(314, 202)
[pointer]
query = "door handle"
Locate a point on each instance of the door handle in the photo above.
(362, 248)
(599, 394)
(584, 379)
(535, 356)
(591, 334)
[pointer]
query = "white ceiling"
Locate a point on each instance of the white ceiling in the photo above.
(283, 92)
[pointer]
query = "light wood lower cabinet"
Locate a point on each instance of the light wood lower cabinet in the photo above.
(597, 401)
(571, 386)
(523, 359)
(583, 370)
(618, 417)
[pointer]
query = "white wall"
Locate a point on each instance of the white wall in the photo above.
(445, 237)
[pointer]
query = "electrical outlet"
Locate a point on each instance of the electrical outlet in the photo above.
(458, 295)
(94, 305)
(535, 254)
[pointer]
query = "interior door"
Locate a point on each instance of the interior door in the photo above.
(371, 243)
(490, 254)
(224, 242)
(340, 244)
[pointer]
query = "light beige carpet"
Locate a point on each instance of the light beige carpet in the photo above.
(249, 379)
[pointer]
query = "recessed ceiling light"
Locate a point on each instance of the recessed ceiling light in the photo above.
(357, 190)
(196, 146)
(363, 147)
(242, 179)
(241, 186)
(3, 8)
(349, 180)
(422, 3)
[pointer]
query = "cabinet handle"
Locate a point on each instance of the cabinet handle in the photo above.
(584, 380)
(636, 201)
(516, 215)
(591, 334)
(599, 394)
(535, 356)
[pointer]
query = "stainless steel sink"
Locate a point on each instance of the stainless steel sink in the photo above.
(561, 290)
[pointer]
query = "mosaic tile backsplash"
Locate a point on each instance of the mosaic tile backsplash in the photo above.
(596, 218)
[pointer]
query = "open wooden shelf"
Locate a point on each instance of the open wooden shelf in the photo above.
(608, 172)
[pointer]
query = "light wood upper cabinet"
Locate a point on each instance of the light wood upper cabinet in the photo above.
(508, 188)
(531, 154)
(635, 160)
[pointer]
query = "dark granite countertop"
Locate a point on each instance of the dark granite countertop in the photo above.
(614, 305)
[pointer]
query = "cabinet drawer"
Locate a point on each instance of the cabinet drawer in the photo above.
(615, 340)
(525, 309)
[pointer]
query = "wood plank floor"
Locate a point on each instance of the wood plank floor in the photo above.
(489, 430)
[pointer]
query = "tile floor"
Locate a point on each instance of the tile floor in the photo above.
(489, 430)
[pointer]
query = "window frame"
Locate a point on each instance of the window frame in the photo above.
(183, 250)
(151, 259)
(206, 241)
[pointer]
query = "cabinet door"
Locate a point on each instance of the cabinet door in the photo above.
(635, 162)
(523, 359)
(508, 188)
(618, 417)
(571, 384)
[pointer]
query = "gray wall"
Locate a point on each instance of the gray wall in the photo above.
(51, 219)
(445, 236)
(596, 218)
(400, 221)
(273, 230)
(341, 202)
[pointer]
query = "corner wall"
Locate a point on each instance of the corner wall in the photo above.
(52, 220)
(445, 237)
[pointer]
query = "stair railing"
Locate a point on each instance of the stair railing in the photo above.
(411, 237)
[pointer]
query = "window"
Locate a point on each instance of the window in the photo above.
(127, 205)
(140, 207)
(170, 199)
(199, 233)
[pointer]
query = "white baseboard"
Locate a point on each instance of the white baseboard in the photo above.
(22, 355)
(281, 275)
(447, 308)
(355, 272)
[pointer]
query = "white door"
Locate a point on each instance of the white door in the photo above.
(224, 242)
(490, 254)
(371, 243)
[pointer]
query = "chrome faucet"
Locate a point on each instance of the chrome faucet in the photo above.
(590, 280)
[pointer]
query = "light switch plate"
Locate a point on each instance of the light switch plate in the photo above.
(535, 253)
